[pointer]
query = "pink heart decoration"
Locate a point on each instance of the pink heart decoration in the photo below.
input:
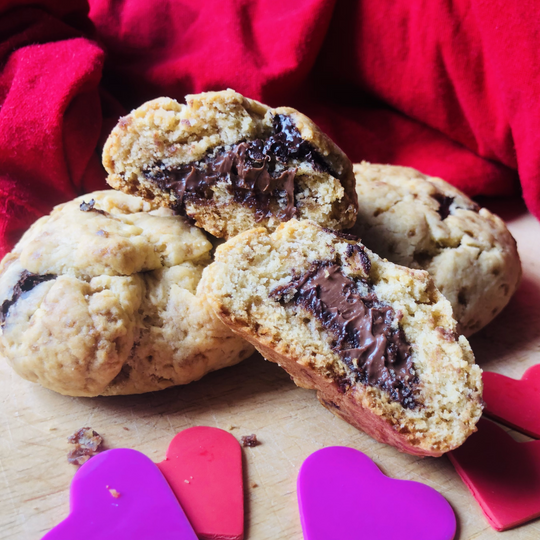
(515, 403)
(121, 494)
(343, 495)
(502, 474)
(204, 469)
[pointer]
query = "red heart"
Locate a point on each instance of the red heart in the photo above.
(502, 474)
(203, 466)
(515, 403)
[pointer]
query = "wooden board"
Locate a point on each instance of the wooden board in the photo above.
(253, 397)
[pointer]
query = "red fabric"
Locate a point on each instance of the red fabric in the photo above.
(448, 87)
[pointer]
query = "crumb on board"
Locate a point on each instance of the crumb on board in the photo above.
(254, 485)
(87, 444)
(231, 427)
(250, 440)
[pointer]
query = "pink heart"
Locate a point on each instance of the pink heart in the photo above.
(343, 495)
(204, 469)
(121, 494)
(502, 474)
(515, 403)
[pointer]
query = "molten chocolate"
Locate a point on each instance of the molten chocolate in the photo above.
(255, 171)
(376, 352)
(26, 283)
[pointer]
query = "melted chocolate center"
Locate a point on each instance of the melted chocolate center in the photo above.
(375, 351)
(254, 171)
(26, 283)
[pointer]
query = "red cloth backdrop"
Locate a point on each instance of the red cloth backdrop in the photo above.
(450, 87)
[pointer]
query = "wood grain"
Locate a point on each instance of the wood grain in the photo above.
(253, 397)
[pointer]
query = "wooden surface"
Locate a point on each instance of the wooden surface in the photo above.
(253, 397)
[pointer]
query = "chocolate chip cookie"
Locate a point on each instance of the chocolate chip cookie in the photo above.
(376, 340)
(99, 298)
(231, 163)
(423, 222)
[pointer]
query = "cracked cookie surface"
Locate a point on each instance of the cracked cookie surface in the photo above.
(99, 298)
(425, 223)
(231, 163)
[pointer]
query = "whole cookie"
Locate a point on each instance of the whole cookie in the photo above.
(423, 222)
(231, 163)
(99, 298)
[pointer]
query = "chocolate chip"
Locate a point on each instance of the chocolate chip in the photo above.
(26, 283)
(89, 207)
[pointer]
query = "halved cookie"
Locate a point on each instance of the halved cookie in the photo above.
(231, 163)
(423, 222)
(376, 340)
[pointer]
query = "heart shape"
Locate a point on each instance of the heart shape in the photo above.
(502, 474)
(203, 466)
(515, 403)
(343, 495)
(121, 494)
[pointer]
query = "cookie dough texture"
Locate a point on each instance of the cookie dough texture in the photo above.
(103, 302)
(147, 149)
(241, 285)
(425, 223)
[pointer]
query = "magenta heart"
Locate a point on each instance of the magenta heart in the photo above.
(121, 494)
(515, 403)
(343, 495)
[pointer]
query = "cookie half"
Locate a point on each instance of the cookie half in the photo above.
(423, 222)
(376, 340)
(99, 298)
(231, 163)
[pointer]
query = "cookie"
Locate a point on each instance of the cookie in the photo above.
(99, 298)
(376, 340)
(423, 222)
(230, 163)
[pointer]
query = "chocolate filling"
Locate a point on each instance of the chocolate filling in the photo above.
(26, 283)
(254, 171)
(376, 353)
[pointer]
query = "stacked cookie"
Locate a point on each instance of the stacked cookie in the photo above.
(134, 276)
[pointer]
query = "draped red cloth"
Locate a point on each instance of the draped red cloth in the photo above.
(450, 87)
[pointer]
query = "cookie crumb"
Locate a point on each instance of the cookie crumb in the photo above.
(250, 440)
(126, 428)
(254, 485)
(87, 444)
(113, 492)
(231, 427)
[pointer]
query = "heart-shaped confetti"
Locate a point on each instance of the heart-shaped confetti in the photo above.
(204, 469)
(502, 474)
(515, 403)
(121, 494)
(343, 495)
